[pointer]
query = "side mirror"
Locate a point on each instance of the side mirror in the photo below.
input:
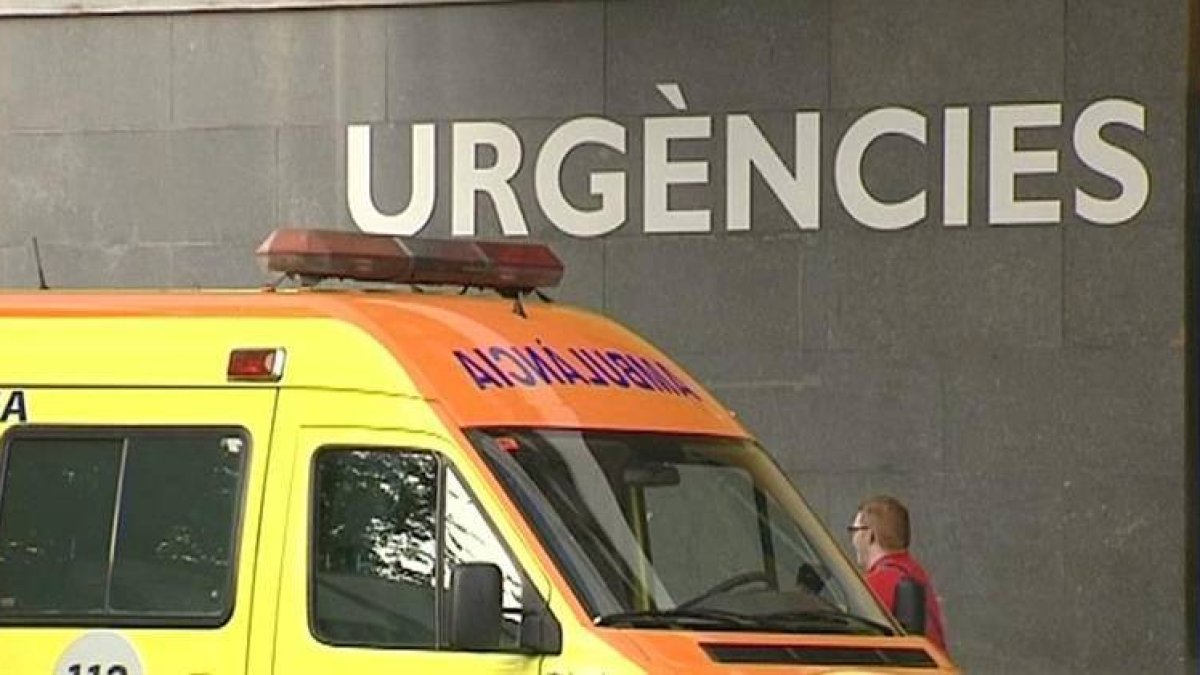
(475, 616)
(477, 613)
(910, 605)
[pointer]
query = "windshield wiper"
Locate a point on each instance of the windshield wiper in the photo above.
(826, 617)
(650, 618)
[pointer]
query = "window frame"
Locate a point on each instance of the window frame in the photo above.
(125, 433)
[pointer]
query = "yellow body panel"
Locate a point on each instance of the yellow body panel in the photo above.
(193, 351)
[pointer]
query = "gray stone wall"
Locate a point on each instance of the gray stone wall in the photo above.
(1021, 387)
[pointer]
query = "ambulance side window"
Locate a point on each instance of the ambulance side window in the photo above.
(120, 526)
(375, 548)
(388, 527)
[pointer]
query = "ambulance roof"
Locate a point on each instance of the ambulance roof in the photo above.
(485, 362)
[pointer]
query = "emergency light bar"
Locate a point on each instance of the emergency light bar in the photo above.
(323, 254)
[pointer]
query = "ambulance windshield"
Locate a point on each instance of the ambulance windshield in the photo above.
(675, 531)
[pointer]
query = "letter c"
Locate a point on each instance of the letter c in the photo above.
(859, 203)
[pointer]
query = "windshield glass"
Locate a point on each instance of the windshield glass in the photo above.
(658, 530)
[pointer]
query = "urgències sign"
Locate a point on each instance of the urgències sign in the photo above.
(794, 178)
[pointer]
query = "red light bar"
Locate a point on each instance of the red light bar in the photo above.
(256, 365)
(319, 254)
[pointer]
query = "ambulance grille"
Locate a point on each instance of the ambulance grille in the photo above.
(896, 657)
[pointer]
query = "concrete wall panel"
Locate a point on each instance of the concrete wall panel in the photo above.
(1120, 47)
(699, 281)
(223, 187)
(929, 289)
(822, 418)
(765, 55)
(68, 266)
(108, 169)
(215, 265)
(1121, 293)
(312, 161)
(90, 73)
(584, 279)
(938, 51)
(33, 188)
(294, 68)
(1039, 410)
(1110, 508)
(1010, 572)
(495, 61)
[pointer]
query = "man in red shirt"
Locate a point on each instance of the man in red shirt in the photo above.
(880, 535)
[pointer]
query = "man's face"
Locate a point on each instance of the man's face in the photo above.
(860, 538)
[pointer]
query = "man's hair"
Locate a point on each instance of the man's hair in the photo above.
(888, 520)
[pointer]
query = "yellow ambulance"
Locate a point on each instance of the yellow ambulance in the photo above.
(392, 476)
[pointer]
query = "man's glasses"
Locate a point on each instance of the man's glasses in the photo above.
(855, 528)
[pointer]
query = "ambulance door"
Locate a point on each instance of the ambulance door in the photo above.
(378, 520)
(128, 524)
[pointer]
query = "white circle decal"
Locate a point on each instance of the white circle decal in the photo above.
(99, 653)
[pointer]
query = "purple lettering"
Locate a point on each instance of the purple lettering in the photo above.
(679, 384)
(495, 369)
(479, 376)
(619, 361)
(572, 376)
(523, 376)
(596, 359)
(647, 369)
(596, 378)
(539, 366)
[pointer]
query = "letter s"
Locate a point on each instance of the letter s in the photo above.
(1111, 161)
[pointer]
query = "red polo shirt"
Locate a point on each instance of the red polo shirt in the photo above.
(887, 572)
